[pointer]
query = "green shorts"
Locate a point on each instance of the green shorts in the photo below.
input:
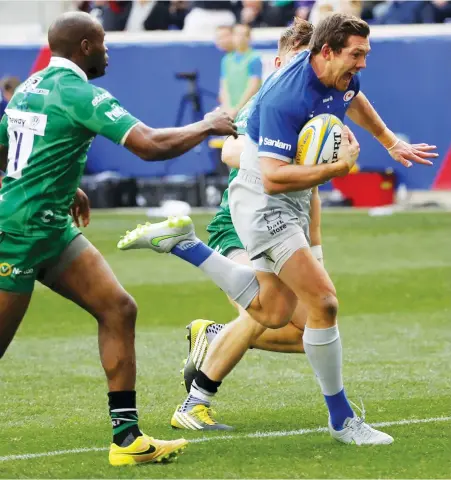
(223, 237)
(22, 259)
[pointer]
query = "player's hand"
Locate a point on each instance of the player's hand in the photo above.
(405, 153)
(348, 152)
(220, 123)
(80, 208)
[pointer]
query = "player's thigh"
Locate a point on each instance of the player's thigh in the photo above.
(311, 284)
(83, 276)
(13, 306)
(18, 269)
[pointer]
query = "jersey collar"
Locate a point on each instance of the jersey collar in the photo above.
(60, 62)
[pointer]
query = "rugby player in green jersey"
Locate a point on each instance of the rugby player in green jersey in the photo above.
(45, 134)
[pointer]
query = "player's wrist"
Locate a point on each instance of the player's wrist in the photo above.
(339, 168)
(317, 252)
(387, 138)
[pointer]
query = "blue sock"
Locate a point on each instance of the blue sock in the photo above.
(192, 252)
(339, 409)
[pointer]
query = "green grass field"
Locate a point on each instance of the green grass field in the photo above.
(393, 276)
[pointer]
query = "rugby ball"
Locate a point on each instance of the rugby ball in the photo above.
(319, 140)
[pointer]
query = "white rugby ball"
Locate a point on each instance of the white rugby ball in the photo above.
(319, 140)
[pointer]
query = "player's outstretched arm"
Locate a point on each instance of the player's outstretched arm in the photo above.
(364, 115)
(165, 143)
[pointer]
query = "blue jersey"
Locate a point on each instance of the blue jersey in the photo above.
(287, 101)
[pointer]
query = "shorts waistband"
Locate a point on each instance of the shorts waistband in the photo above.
(249, 177)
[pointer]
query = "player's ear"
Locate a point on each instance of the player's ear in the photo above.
(326, 51)
(277, 62)
(85, 46)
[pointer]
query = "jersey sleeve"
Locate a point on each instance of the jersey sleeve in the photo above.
(4, 131)
(98, 111)
(256, 67)
(278, 132)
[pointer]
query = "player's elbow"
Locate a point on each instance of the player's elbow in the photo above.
(271, 188)
(142, 143)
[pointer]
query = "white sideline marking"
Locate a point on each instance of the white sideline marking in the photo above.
(283, 433)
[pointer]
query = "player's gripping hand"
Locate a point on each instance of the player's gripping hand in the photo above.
(220, 123)
(405, 153)
(348, 152)
(80, 208)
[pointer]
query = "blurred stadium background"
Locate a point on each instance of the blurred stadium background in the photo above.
(393, 273)
(407, 80)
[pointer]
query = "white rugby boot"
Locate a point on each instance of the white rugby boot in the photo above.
(356, 431)
(161, 237)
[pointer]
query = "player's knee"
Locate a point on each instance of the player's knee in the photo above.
(123, 311)
(329, 307)
(128, 309)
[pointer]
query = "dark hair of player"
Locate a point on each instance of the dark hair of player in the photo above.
(335, 29)
(296, 36)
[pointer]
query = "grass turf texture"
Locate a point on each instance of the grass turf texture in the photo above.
(393, 276)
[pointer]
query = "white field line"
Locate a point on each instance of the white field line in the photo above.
(283, 433)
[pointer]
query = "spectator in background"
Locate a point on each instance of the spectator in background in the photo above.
(167, 15)
(412, 12)
(303, 8)
(241, 72)
(206, 15)
(322, 8)
(115, 14)
(8, 86)
(252, 13)
(279, 13)
(224, 38)
(442, 10)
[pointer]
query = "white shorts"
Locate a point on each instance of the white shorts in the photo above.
(264, 221)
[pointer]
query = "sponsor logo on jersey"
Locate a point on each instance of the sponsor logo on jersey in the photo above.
(116, 113)
(100, 98)
(276, 143)
(5, 269)
(26, 121)
(328, 99)
(24, 273)
(30, 86)
(47, 216)
(348, 95)
(16, 122)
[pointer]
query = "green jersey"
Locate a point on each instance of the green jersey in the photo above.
(48, 127)
(222, 221)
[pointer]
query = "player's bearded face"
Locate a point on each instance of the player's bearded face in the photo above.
(349, 61)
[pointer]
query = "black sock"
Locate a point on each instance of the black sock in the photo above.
(124, 417)
(203, 382)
